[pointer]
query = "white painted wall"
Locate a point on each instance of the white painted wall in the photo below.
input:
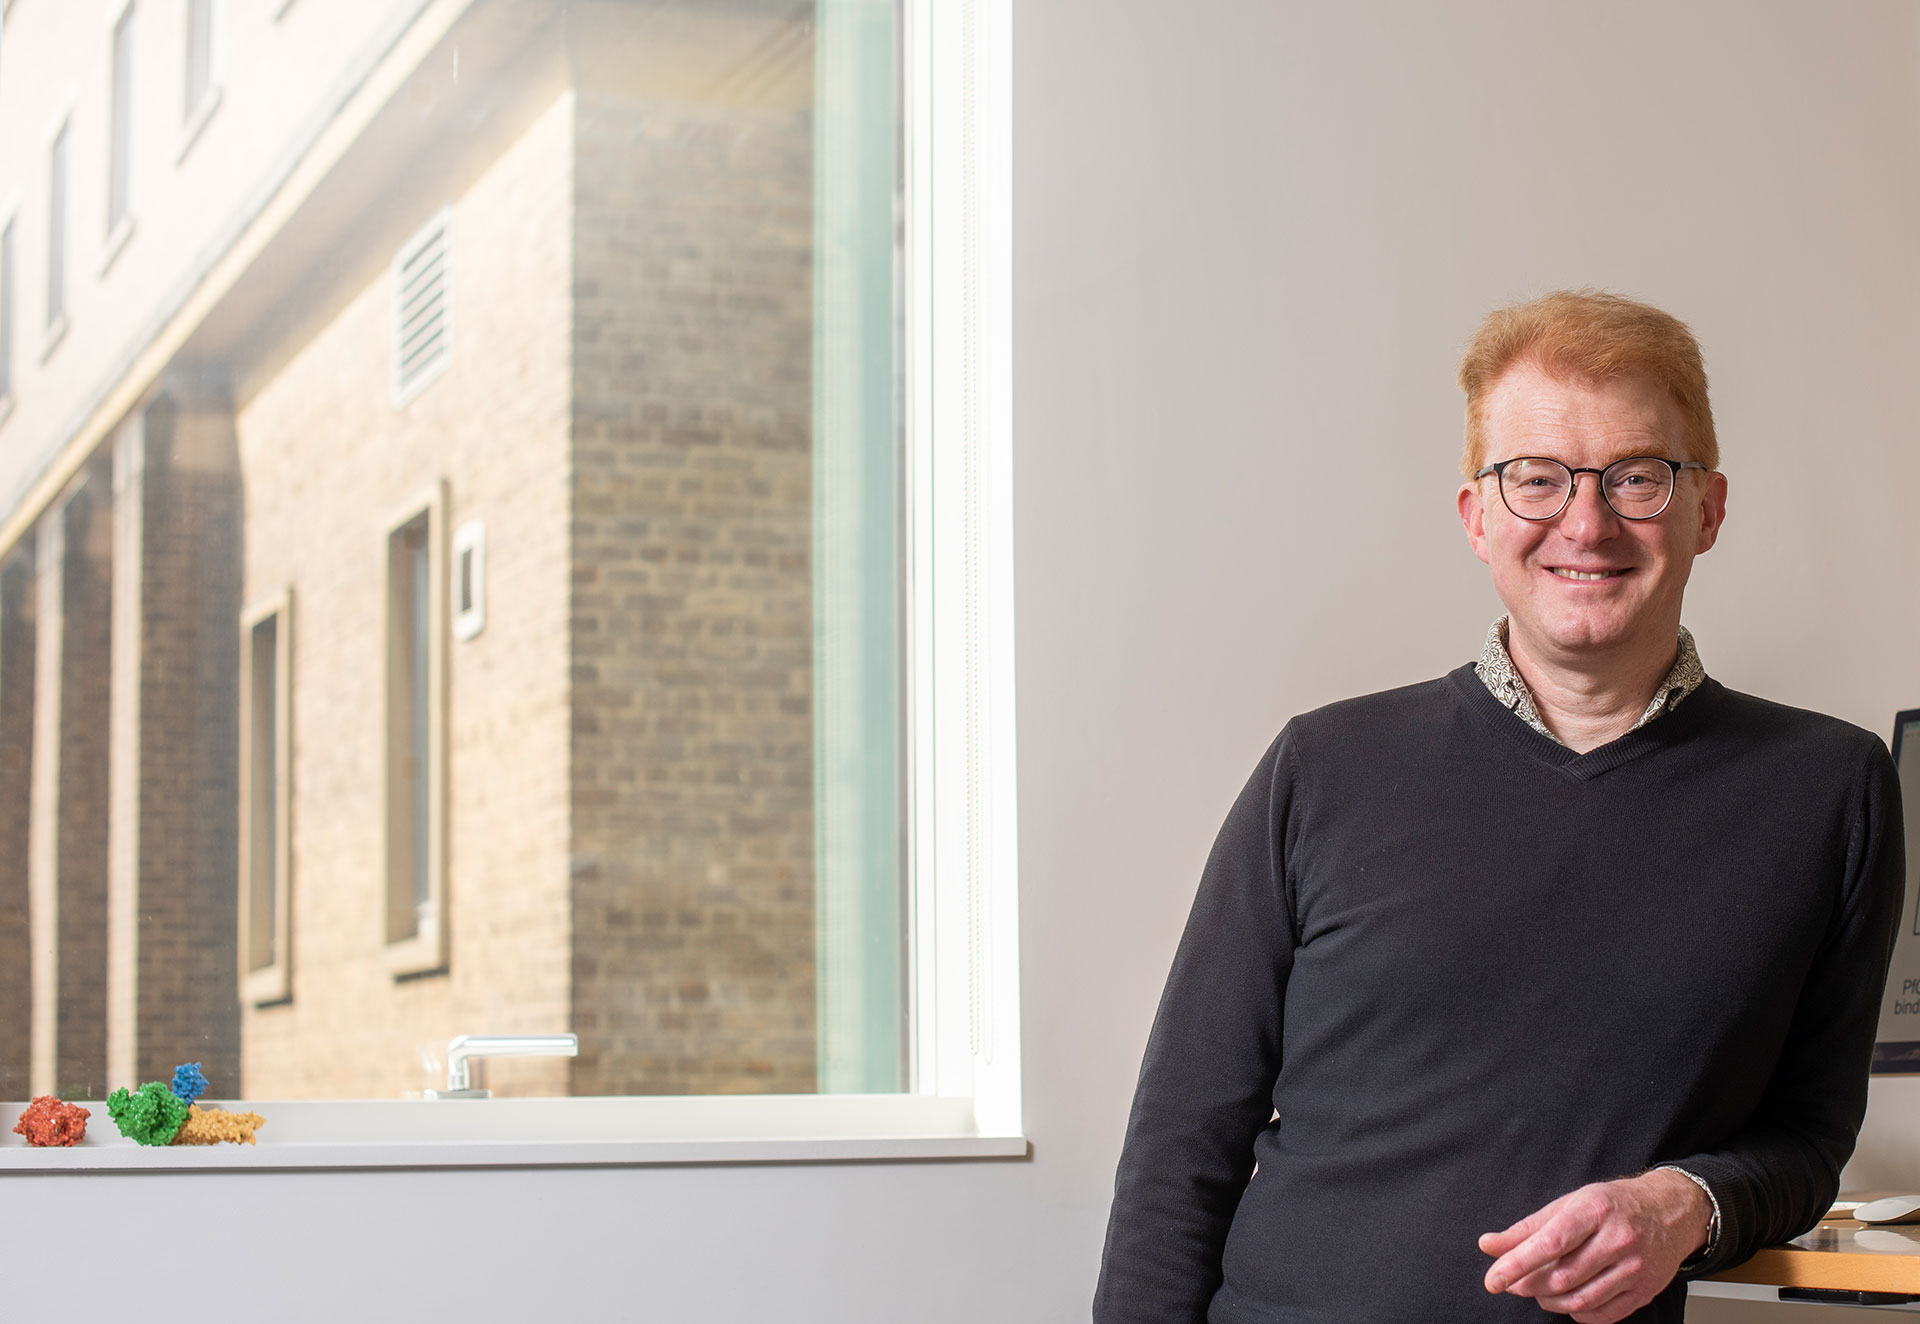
(1250, 238)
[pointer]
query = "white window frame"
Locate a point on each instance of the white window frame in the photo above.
(10, 307)
(273, 982)
(415, 943)
(194, 119)
(964, 1097)
(54, 324)
(119, 150)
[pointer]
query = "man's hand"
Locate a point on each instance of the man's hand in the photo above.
(1603, 1251)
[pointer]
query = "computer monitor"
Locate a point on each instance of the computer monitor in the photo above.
(1896, 1048)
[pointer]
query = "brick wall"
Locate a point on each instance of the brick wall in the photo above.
(327, 462)
(692, 761)
(188, 1007)
(80, 822)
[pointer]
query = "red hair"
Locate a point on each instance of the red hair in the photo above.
(1586, 334)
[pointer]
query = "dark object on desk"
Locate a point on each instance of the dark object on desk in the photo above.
(1840, 1297)
(1896, 1049)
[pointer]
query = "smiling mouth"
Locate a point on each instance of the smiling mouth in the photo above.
(1587, 576)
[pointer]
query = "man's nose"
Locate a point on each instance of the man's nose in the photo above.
(1588, 516)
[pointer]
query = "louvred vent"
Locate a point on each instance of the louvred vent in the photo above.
(423, 308)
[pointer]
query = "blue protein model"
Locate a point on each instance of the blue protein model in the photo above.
(189, 1082)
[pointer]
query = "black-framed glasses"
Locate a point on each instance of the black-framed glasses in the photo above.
(1637, 487)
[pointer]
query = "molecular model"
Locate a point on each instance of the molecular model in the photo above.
(157, 1115)
(211, 1126)
(189, 1082)
(150, 1115)
(47, 1121)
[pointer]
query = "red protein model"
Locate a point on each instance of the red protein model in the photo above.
(48, 1121)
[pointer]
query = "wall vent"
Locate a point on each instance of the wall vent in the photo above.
(423, 307)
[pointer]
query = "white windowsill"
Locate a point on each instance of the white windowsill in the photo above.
(197, 122)
(484, 1133)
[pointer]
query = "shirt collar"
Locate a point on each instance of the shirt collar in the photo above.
(1502, 679)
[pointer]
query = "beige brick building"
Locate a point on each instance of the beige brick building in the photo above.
(414, 635)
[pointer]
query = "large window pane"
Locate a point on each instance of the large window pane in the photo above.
(606, 291)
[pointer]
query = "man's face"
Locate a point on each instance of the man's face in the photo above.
(1543, 571)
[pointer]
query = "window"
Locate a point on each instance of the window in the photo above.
(417, 928)
(6, 313)
(202, 81)
(120, 126)
(202, 67)
(723, 785)
(57, 236)
(266, 727)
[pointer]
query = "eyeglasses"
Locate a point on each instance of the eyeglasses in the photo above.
(1638, 487)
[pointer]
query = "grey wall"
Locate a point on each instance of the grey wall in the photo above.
(1250, 239)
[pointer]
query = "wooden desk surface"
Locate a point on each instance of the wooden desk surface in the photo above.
(1840, 1253)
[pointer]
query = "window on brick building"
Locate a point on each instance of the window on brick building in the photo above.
(57, 233)
(202, 73)
(266, 713)
(6, 311)
(707, 790)
(416, 767)
(120, 127)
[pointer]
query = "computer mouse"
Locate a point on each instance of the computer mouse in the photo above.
(1891, 1209)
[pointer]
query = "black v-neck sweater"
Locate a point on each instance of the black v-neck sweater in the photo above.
(1471, 970)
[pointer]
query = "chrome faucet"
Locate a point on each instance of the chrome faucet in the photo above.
(464, 1047)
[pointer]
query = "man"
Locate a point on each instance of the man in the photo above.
(1544, 985)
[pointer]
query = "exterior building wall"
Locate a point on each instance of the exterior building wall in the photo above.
(17, 654)
(86, 611)
(278, 75)
(67, 831)
(178, 492)
(326, 460)
(692, 759)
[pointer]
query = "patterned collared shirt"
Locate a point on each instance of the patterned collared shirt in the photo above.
(1497, 672)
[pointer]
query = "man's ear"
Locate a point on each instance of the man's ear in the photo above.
(1473, 517)
(1713, 511)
